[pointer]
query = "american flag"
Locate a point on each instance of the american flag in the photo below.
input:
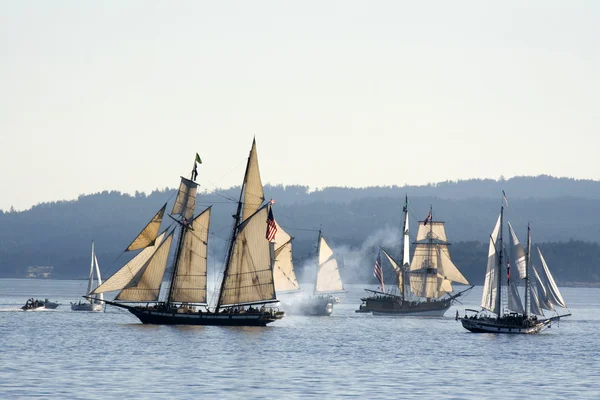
(378, 271)
(271, 227)
(428, 219)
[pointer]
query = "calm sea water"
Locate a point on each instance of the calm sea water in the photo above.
(77, 355)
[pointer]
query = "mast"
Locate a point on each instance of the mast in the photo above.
(527, 261)
(405, 243)
(234, 232)
(430, 246)
(499, 296)
(317, 262)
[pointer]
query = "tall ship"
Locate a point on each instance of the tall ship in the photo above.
(247, 286)
(93, 302)
(328, 280)
(424, 285)
(504, 308)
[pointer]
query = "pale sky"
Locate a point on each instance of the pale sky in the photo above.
(120, 95)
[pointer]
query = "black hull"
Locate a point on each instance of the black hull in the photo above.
(154, 316)
(382, 305)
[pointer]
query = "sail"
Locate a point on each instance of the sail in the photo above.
(99, 279)
(249, 275)
(145, 285)
(541, 292)
(396, 268)
(127, 272)
(283, 272)
(189, 283)
(90, 286)
(406, 247)
(547, 281)
(148, 235)
(534, 304)
(517, 252)
(514, 300)
(490, 286)
(253, 188)
(328, 274)
(186, 199)
(431, 258)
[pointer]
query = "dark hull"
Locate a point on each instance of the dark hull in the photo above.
(424, 309)
(160, 317)
(504, 325)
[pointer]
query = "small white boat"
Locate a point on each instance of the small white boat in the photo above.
(93, 302)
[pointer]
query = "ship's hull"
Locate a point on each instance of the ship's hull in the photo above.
(86, 307)
(312, 306)
(157, 316)
(492, 325)
(382, 305)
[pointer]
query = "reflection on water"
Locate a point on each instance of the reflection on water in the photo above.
(64, 354)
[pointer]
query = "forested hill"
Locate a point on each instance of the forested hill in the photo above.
(354, 221)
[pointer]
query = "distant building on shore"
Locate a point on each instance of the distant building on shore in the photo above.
(39, 271)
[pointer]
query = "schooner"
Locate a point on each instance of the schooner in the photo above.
(509, 313)
(429, 275)
(247, 284)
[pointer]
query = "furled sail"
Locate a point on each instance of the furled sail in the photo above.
(127, 272)
(249, 275)
(328, 274)
(283, 272)
(396, 268)
(253, 189)
(145, 285)
(186, 199)
(406, 247)
(517, 252)
(547, 281)
(189, 283)
(148, 235)
(490, 286)
(431, 258)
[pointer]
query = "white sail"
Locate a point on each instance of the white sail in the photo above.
(490, 286)
(547, 281)
(396, 268)
(148, 235)
(253, 189)
(127, 272)
(517, 252)
(249, 275)
(328, 274)
(541, 292)
(90, 286)
(534, 303)
(406, 247)
(434, 230)
(283, 272)
(145, 285)
(189, 283)
(99, 279)
(185, 202)
(514, 300)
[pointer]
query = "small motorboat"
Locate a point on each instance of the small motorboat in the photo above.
(34, 304)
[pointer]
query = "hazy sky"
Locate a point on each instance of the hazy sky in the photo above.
(120, 95)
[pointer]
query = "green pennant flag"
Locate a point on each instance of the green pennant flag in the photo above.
(198, 160)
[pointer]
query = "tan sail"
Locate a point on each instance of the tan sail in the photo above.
(126, 273)
(145, 285)
(189, 284)
(283, 272)
(328, 274)
(253, 189)
(148, 235)
(432, 269)
(249, 275)
(186, 199)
